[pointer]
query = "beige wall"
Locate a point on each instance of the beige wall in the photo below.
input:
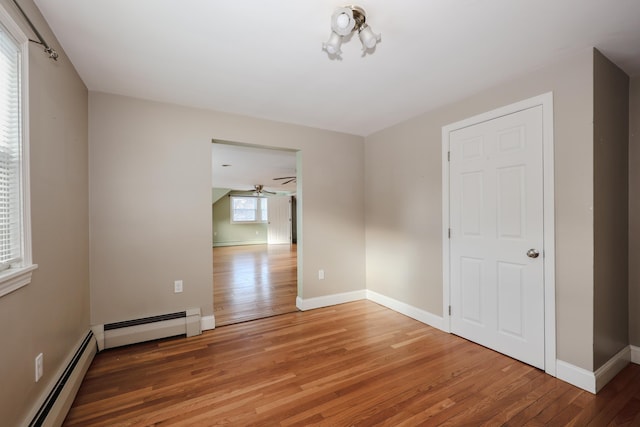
(634, 211)
(227, 234)
(51, 314)
(611, 195)
(150, 209)
(404, 200)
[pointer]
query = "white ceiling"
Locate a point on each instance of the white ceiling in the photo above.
(264, 59)
(249, 166)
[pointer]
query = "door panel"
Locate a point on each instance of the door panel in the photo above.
(496, 216)
(471, 201)
(471, 282)
(510, 220)
(510, 299)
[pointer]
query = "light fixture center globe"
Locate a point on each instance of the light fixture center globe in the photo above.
(342, 20)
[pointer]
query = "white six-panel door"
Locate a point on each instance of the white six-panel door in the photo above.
(496, 218)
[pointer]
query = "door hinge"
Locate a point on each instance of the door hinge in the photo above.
(449, 310)
(448, 156)
(449, 233)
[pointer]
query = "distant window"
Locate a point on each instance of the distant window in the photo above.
(248, 210)
(15, 240)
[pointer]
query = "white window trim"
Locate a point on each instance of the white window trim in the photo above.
(258, 219)
(17, 277)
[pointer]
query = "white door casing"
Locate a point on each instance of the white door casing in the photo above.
(279, 217)
(498, 204)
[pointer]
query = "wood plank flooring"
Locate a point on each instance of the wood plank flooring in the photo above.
(356, 364)
(253, 281)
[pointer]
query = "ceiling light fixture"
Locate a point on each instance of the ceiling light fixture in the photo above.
(344, 21)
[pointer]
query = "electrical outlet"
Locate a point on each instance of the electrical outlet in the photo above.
(39, 366)
(321, 274)
(177, 286)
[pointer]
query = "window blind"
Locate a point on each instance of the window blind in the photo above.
(10, 151)
(248, 209)
(244, 209)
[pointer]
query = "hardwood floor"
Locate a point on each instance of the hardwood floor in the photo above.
(253, 281)
(354, 364)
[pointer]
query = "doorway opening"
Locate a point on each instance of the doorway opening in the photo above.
(254, 224)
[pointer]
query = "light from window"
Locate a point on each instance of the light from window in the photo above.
(10, 137)
(264, 213)
(247, 210)
(15, 240)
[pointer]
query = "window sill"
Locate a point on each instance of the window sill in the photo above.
(248, 222)
(15, 278)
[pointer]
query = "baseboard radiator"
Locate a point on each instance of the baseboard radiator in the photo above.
(148, 328)
(53, 408)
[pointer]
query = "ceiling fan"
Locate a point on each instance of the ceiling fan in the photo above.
(288, 179)
(258, 190)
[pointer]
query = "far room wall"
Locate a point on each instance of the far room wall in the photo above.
(227, 234)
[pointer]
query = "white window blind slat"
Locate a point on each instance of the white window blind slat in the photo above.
(10, 149)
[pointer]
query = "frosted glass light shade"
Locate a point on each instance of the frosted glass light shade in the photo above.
(332, 46)
(368, 38)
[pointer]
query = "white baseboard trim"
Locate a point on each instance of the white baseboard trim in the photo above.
(54, 404)
(593, 381)
(606, 372)
(329, 300)
(406, 309)
(395, 305)
(208, 322)
(635, 354)
(239, 243)
(576, 376)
